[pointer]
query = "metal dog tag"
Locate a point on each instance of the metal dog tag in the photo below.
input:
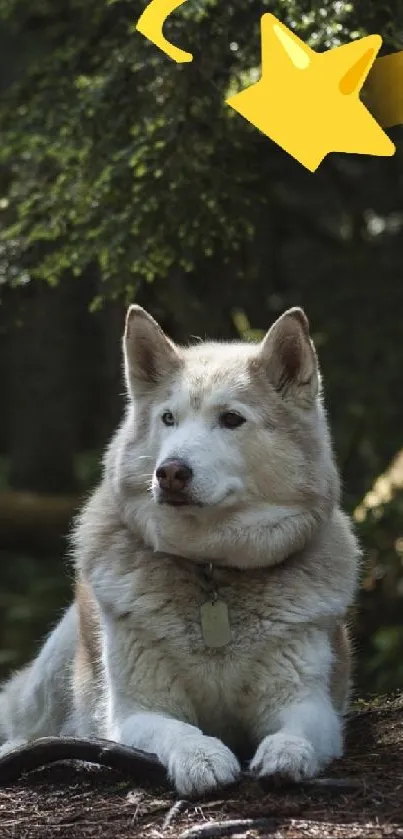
(215, 623)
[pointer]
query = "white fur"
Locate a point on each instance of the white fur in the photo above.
(36, 701)
(265, 513)
(308, 738)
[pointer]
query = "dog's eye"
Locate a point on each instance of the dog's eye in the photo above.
(230, 419)
(168, 418)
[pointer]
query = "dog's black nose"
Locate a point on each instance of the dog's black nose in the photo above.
(174, 475)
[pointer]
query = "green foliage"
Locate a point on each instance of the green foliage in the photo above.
(87, 469)
(118, 157)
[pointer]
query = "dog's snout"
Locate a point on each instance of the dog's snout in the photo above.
(174, 475)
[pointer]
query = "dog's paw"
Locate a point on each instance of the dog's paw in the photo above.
(200, 764)
(286, 755)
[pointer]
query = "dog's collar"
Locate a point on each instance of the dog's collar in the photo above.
(207, 569)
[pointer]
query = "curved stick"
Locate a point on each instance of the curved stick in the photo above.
(138, 765)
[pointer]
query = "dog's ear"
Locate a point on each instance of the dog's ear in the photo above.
(289, 357)
(150, 356)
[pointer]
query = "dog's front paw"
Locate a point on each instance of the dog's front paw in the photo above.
(201, 764)
(286, 755)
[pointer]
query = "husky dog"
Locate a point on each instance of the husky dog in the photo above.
(214, 569)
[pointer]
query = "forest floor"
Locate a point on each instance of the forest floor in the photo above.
(363, 801)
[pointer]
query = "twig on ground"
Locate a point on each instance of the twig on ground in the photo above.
(332, 784)
(215, 830)
(175, 811)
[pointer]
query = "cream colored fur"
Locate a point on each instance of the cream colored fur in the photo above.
(128, 660)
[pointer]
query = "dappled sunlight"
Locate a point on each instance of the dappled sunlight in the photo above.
(383, 489)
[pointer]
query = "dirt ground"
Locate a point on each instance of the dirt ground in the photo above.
(364, 800)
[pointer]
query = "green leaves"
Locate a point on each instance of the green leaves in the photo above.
(119, 156)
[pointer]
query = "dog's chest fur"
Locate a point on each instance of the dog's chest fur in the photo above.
(156, 650)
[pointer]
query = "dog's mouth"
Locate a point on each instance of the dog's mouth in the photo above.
(177, 499)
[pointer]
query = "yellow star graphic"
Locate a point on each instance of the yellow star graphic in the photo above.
(308, 102)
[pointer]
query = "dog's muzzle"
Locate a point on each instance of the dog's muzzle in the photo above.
(173, 478)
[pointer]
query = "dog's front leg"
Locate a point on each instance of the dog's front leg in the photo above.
(195, 763)
(309, 736)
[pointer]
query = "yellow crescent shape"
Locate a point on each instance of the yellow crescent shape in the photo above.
(150, 25)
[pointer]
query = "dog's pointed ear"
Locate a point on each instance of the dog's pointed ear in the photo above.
(150, 356)
(289, 358)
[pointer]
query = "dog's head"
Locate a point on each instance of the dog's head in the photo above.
(225, 429)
